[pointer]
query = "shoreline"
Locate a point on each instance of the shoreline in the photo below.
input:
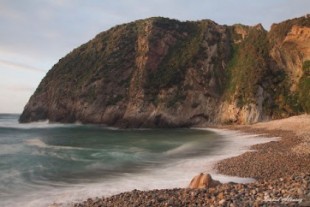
(281, 170)
(239, 143)
(285, 157)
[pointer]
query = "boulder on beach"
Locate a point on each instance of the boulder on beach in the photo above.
(203, 181)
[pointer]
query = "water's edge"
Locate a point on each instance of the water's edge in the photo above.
(188, 153)
(237, 144)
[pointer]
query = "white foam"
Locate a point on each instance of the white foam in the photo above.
(9, 174)
(36, 125)
(37, 142)
(172, 175)
(53, 150)
(181, 149)
(10, 149)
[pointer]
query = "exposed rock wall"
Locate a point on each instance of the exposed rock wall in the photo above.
(160, 72)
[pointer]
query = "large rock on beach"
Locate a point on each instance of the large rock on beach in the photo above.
(203, 181)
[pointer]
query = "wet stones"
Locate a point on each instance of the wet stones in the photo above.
(287, 191)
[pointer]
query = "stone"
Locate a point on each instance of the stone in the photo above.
(300, 191)
(203, 181)
(222, 202)
(304, 203)
(220, 195)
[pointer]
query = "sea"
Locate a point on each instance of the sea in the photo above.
(44, 164)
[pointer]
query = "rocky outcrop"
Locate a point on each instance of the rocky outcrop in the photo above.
(203, 181)
(160, 72)
(292, 52)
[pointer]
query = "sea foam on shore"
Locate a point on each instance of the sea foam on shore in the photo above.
(172, 175)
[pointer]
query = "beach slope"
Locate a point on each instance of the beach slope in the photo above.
(282, 170)
(288, 156)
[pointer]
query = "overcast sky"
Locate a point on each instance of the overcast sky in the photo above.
(35, 34)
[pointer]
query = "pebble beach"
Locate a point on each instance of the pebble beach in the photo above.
(281, 169)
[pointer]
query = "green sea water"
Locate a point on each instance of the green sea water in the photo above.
(43, 163)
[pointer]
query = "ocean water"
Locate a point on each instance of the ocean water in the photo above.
(43, 164)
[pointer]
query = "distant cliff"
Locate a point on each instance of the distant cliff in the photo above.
(160, 72)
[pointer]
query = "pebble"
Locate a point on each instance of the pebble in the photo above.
(294, 191)
(272, 160)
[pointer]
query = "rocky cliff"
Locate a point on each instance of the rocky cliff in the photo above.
(160, 72)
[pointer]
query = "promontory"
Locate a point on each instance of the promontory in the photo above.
(161, 72)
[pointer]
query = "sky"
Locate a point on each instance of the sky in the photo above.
(35, 34)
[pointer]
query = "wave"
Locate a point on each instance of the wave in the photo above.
(126, 156)
(10, 149)
(46, 124)
(187, 147)
(9, 174)
(176, 174)
(35, 125)
(238, 142)
(61, 156)
(37, 142)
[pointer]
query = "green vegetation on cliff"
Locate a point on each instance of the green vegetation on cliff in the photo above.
(248, 66)
(181, 55)
(304, 87)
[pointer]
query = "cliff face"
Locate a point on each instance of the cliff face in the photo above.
(165, 73)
